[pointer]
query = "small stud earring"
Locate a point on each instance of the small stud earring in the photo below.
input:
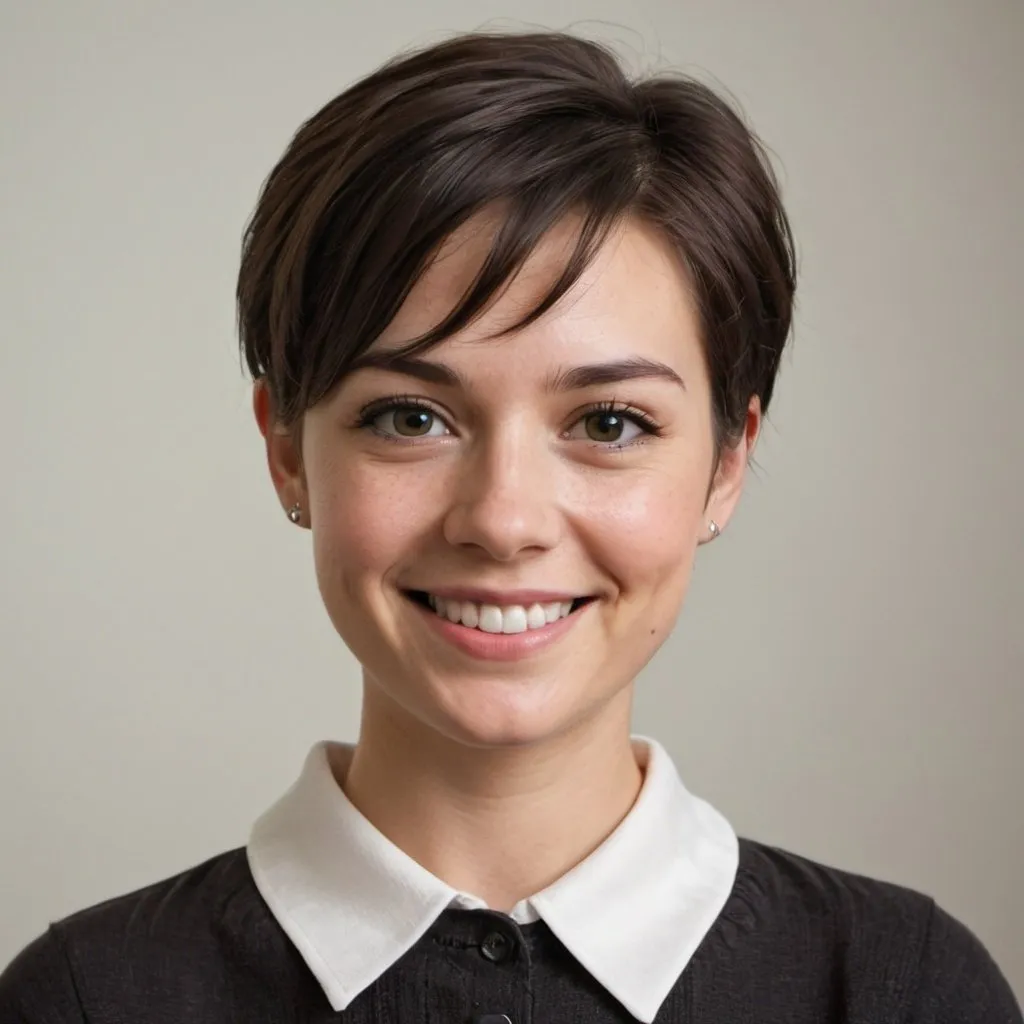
(714, 528)
(295, 513)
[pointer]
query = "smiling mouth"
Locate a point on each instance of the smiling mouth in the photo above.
(490, 618)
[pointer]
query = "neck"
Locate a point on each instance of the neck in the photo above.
(498, 823)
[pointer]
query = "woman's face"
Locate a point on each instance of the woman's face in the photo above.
(461, 503)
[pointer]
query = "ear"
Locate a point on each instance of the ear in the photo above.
(731, 472)
(284, 457)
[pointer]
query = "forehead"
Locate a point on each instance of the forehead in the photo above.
(634, 298)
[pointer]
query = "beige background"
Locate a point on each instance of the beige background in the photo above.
(164, 656)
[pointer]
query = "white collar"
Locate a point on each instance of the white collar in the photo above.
(632, 913)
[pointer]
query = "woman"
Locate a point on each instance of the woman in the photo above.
(514, 322)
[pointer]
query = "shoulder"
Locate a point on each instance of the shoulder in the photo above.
(191, 907)
(187, 922)
(888, 950)
(797, 888)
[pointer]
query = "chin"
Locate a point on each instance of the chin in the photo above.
(500, 715)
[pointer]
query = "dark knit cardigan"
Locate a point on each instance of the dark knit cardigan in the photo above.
(797, 943)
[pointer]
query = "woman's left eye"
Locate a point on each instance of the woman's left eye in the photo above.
(607, 426)
(409, 421)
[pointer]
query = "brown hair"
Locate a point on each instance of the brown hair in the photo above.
(542, 123)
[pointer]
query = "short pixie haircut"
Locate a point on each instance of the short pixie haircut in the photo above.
(543, 124)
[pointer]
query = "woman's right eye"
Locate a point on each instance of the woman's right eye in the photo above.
(408, 421)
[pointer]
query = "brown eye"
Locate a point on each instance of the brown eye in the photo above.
(409, 421)
(609, 427)
(413, 422)
(604, 426)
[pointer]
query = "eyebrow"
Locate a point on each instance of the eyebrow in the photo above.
(592, 374)
(576, 378)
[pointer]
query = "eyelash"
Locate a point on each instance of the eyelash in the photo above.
(375, 409)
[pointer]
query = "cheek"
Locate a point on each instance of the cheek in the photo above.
(647, 531)
(366, 517)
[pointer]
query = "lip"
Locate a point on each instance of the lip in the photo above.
(501, 598)
(497, 646)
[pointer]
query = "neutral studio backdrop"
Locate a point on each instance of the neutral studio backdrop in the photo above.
(165, 661)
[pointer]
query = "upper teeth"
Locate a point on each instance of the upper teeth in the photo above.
(492, 618)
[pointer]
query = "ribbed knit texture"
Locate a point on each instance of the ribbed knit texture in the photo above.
(797, 943)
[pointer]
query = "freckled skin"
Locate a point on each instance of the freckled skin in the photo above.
(510, 491)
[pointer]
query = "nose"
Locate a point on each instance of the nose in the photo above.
(504, 502)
